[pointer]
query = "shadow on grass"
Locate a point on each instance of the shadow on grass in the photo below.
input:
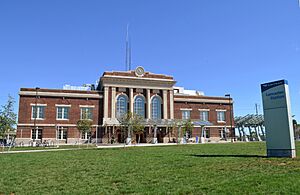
(228, 155)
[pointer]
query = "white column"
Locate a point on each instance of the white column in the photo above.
(165, 106)
(113, 102)
(105, 103)
(148, 104)
(131, 100)
(171, 104)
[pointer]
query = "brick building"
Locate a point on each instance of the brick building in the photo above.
(52, 114)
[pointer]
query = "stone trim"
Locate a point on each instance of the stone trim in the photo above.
(221, 110)
(148, 104)
(186, 109)
(49, 125)
(33, 104)
(105, 102)
(58, 94)
(138, 78)
(86, 106)
(137, 86)
(62, 105)
(165, 104)
(217, 101)
(171, 104)
(204, 110)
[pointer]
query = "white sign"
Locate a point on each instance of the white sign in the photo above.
(278, 119)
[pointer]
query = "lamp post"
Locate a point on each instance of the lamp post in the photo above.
(230, 109)
(35, 109)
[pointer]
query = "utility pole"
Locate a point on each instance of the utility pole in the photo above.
(128, 50)
(256, 109)
(36, 110)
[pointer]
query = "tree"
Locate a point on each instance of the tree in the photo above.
(137, 125)
(131, 122)
(84, 126)
(8, 119)
(187, 128)
(171, 128)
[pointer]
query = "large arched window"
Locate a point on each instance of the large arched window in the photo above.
(156, 108)
(139, 106)
(121, 107)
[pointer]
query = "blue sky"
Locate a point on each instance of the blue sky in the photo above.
(216, 46)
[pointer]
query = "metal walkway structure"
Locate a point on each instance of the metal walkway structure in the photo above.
(255, 125)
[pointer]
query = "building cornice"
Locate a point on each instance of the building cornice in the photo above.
(202, 100)
(137, 78)
(49, 125)
(58, 94)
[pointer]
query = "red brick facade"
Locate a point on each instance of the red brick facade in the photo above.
(147, 84)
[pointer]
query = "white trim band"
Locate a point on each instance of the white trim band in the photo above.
(60, 94)
(221, 110)
(62, 105)
(204, 109)
(33, 104)
(87, 106)
(201, 100)
(51, 125)
(138, 78)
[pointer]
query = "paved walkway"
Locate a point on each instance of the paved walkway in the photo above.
(46, 150)
(135, 145)
(102, 146)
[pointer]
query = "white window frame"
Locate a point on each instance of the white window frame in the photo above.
(61, 136)
(184, 117)
(201, 111)
(156, 111)
(63, 111)
(206, 133)
(85, 107)
(85, 135)
(36, 133)
(38, 106)
(222, 133)
(121, 108)
(221, 111)
(139, 106)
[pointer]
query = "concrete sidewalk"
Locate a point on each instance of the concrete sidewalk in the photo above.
(47, 150)
(135, 145)
(105, 146)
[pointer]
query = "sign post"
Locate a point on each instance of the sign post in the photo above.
(278, 119)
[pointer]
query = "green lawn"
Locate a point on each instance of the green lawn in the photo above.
(233, 168)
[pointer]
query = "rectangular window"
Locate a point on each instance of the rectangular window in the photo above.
(86, 135)
(62, 113)
(61, 133)
(87, 113)
(221, 116)
(204, 115)
(38, 112)
(36, 134)
(186, 114)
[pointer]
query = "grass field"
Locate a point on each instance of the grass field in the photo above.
(233, 168)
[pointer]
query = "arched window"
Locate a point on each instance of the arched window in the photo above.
(156, 108)
(121, 107)
(139, 106)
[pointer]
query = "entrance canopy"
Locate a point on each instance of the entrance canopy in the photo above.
(202, 123)
(161, 122)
